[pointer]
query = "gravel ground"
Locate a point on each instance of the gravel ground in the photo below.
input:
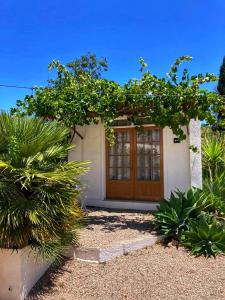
(105, 227)
(152, 273)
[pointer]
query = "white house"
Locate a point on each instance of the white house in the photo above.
(141, 167)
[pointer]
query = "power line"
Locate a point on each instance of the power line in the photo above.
(16, 86)
(68, 88)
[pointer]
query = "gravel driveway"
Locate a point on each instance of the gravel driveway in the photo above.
(153, 273)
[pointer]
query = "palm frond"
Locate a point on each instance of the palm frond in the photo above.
(38, 188)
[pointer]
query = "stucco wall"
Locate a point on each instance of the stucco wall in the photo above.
(19, 271)
(195, 157)
(176, 157)
(181, 167)
(92, 148)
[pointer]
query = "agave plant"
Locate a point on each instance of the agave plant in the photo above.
(37, 186)
(205, 236)
(174, 213)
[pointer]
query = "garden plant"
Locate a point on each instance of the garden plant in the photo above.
(196, 219)
(205, 235)
(38, 187)
(80, 95)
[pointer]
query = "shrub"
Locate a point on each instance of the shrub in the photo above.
(37, 186)
(214, 194)
(205, 236)
(213, 154)
(187, 216)
(174, 214)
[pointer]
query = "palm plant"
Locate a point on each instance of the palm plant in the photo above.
(37, 186)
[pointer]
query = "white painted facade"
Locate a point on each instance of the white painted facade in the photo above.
(181, 166)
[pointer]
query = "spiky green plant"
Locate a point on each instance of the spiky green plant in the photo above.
(37, 186)
(213, 194)
(213, 154)
(174, 213)
(205, 236)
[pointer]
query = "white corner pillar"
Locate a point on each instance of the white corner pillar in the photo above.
(195, 157)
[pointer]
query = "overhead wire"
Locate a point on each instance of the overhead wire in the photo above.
(16, 86)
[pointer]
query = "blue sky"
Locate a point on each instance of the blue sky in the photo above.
(35, 32)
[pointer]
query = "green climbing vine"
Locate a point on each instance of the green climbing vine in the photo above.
(80, 95)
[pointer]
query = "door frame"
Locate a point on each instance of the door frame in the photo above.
(133, 164)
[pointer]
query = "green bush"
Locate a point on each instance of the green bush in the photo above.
(214, 194)
(187, 216)
(205, 236)
(174, 213)
(213, 154)
(37, 186)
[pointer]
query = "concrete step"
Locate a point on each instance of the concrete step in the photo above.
(104, 254)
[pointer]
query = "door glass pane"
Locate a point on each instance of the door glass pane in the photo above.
(156, 162)
(119, 161)
(119, 157)
(126, 136)
(126, 173)
(126, 148)
(156, 174)
(112, 150)
(112, 161)
(140, 137)
(119, 148)
(119, 136)
(112, 173)
(140, 174)
(155, 148)
(147, 174)
(149, 135)
(155, 135)
(147, 161)
(147, 147)
(148, 155)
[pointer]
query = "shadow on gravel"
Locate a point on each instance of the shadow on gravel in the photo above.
(112, 223)
(45, 285)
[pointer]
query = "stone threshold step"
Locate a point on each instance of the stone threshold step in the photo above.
(104, 254)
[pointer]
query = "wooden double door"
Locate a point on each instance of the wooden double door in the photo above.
(134, 165)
